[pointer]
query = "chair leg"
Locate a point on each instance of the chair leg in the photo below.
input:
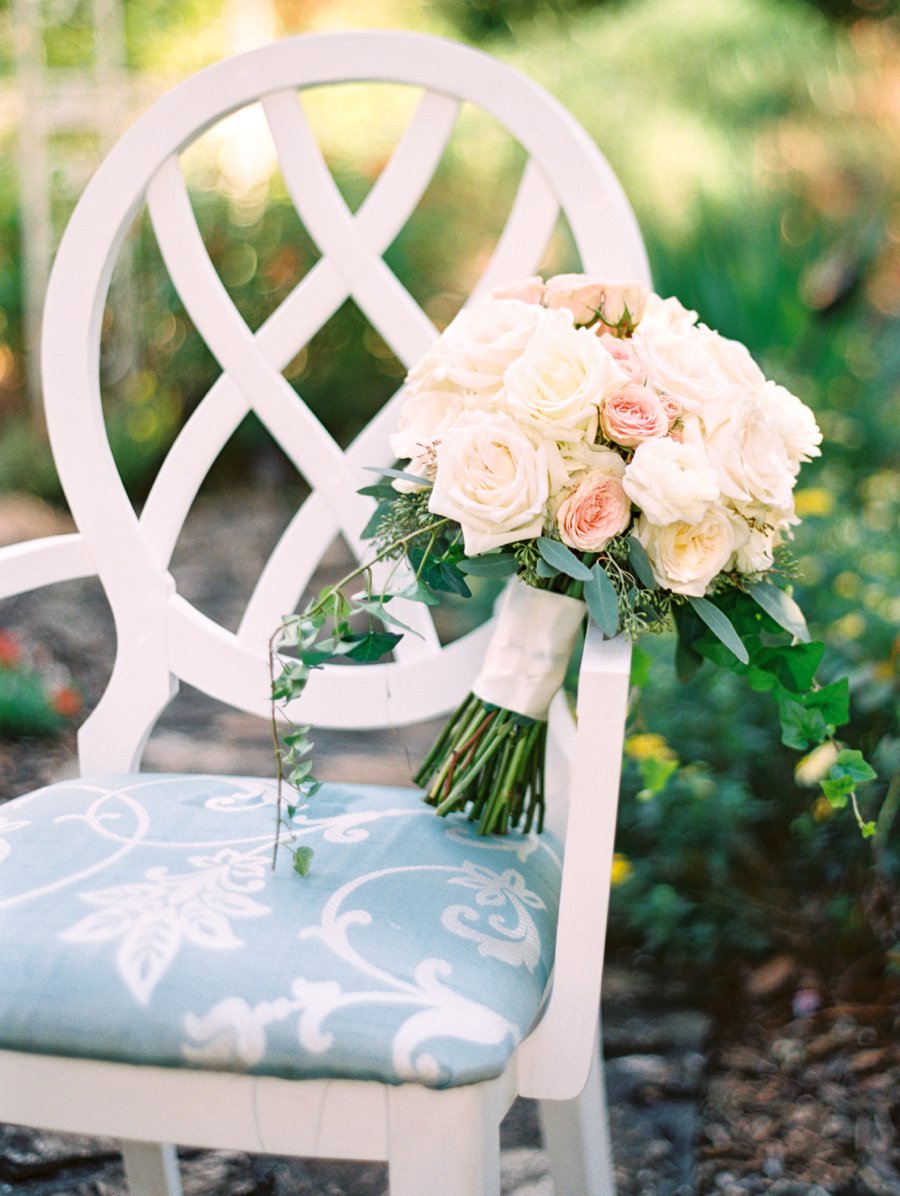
(151, 1168)
(444, 1143)
(576, 1135)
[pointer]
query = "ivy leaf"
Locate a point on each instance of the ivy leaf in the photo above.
(373, 646)
(794, 665)
(781, 607)
(721, 627)
(867, 830)
(602, 600)
(302, 860)
(800, 727)
(837, 791)
(449, 579)
(640, 564)
(300, 773)
(833, 701)
(376, 607)
(417, 592)
(493, 564)
(299, 745)
(853, 764)
(563, 559)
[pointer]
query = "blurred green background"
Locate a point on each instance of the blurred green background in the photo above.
(758, 143)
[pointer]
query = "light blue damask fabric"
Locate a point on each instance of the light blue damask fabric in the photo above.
(140, 920)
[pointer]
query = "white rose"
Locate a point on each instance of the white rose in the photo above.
(526, 290)
(670, 313)
(670, 481)
(702, 371)
(558, 384)
(424, 418)
(492, 479)
(754, 547)
(475, 349)
(794, 421)
(748, 454)
(685, 557)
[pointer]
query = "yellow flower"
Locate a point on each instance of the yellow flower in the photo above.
(822, 809)
(621, 869)
(813, 501)
(648, 746)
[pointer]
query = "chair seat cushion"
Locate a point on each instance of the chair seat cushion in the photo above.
(140, 920)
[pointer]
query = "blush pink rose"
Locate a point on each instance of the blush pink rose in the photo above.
(526, 290)
(632, 415)
(623, 352)
(589, 298)
(671, 406)
(596, 510)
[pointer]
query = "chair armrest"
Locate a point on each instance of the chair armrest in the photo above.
(35, 563)
(555, 1060)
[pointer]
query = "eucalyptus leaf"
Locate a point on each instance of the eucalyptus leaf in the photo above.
(563, 559)
(640, 563)
(398, 473)
(602, 600)
(494, 564)
(721, 627)
(781, 607)
(542, 569)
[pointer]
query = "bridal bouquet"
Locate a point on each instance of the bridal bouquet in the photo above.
(609, 455)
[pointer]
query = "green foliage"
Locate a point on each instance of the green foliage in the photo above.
(691, 896)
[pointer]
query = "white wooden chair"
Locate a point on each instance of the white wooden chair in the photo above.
(99, 939)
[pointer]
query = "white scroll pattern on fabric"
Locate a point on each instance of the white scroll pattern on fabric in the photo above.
(529, 649)
(514, 942)
(233, 1033)
(7, 826)
(152, 918)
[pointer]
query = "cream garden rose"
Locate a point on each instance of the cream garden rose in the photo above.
(670, 481)
(560, 381)
(424, 418)
(795, 423)
(493, 479)
(685, 557)
(701, 371)
(751, 460)
(476, 348)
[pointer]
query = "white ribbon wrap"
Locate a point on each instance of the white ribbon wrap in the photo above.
(529, 649)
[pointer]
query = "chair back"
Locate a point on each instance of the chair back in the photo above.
(161, 637)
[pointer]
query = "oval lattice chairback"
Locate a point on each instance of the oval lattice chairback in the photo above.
(564, 173)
